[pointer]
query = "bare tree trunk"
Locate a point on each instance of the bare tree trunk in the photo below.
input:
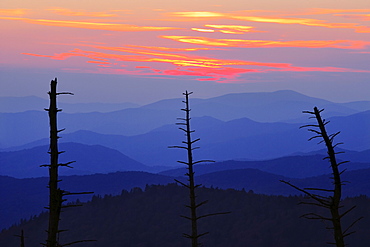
(55, 193)
(21, 237)
(337, 194)
(193, 207)
(190, 174)
(333, 200)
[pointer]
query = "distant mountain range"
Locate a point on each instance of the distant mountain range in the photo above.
(242, 139)
(299, 166)
(33, 103)
(254, 137)
(90, 159)
(282, 106)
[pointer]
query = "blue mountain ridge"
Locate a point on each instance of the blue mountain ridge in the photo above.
(34, 103)
(89, 159)
(239, 139)
(281, 106)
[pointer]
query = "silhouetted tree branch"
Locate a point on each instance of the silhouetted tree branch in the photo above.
(21, 237)
(194, 236)
(333, 200)
(55, 193)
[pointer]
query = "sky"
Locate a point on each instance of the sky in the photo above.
(143, 51)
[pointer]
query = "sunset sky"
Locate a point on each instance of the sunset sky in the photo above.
(142, 51)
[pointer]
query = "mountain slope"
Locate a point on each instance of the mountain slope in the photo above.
(21, 128)
(152, 218)
(23, 198)
(236, 139)
(33, 103)
(291, 166)
(26, 197)
(267, 183)
(89, 159)
(262, 107)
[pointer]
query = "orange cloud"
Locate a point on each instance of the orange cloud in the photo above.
(160, 48)
(98, 26)
(36, 55)
(204, 67)
(68, 12)
(203, 30)
(210, 74)
(319, 11)
(98, 62)
(198, 14)
(91, 25)
(304, 21)
(197, 40)
(175, 59)
(363, 17)
(185, 60)
(13, 12)
(233, 29)
(278, 20)
(319, 69)
(342, 44)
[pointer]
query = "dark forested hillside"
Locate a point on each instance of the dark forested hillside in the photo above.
(22, 198)
(25, 197)
(151, 218)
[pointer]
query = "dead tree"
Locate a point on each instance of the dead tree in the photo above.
(56, 195)
(21, 237)
(329, 198)
(194, 236)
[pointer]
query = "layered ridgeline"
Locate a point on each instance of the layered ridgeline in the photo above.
(91, 159)
(19, 128)
(152, 218)
(255, 138)
(235, 139)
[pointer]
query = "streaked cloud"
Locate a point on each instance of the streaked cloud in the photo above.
(305, 22)
(362, 17)
(69, 12)
(203, 30)
(160, 48)
(13, 12)
(202, 67)
(197, 14)
(205, 41)
(91, 25)
(234, 29)
(278, 20)
(342, 44)
(36, 55)
(98, 62)
(322, 11)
